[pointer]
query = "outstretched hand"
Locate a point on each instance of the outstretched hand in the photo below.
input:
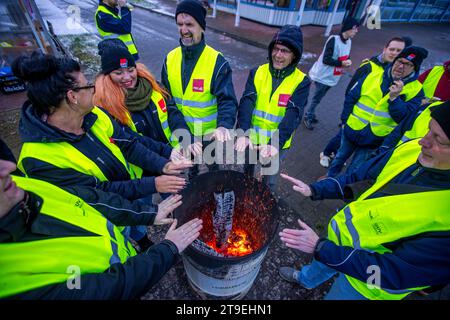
(304, 239)
(299, 185)
(165, 207)
(184, 235)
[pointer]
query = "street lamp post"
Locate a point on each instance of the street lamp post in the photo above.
(298, 21)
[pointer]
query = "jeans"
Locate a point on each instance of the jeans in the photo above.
(333, 145)
(270, 180)
(319, 93)
(316, 273)
(347, 148)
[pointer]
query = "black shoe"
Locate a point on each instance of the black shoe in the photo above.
(308, 124)
(315, 120)
(289, 274)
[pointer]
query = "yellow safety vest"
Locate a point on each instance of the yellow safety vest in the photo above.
(367, 224)
(420, 126)
(161, 107)
(33, 264)
(65, 156)
(197, 104)
(270, 110)
(375, 67)
(372, 107)
(432, 80)
(127, 39)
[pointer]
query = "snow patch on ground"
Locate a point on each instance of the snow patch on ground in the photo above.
(64, 22)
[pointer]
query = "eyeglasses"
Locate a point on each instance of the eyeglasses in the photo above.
(283, 51)
(88, 86)
(405, 64)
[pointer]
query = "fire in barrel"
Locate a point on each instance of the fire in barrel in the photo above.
(240, 218)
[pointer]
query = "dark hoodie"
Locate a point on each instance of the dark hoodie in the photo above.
(33, 129)
(291, 37)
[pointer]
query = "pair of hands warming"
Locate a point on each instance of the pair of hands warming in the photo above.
(303, 239)
(265, 151)
(185, 234)
(179, 161)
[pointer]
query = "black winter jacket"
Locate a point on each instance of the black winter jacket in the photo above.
(33, 129)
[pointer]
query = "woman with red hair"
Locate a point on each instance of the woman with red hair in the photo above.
(131, 94)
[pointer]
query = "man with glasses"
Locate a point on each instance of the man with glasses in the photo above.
(273, 101)
(376, 104)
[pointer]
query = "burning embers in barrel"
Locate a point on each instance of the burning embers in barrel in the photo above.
(230, 228)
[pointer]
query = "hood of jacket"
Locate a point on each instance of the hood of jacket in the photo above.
(290, 36)
(33, 129)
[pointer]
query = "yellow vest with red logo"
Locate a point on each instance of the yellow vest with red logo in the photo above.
(198, 105)
(270, 110)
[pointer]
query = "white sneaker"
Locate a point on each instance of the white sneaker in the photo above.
(324, 160)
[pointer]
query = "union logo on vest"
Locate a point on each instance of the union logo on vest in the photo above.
(162, 105)
(197, 85)
(283, 100)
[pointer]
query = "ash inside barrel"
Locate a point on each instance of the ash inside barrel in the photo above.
(223, 217)
(203, 247)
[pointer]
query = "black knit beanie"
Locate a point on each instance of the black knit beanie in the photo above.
(348, 24)
(414, 54)
(115, 57)
(193, 8)
(441, 113)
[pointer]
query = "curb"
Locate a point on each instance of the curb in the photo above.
(214, 29)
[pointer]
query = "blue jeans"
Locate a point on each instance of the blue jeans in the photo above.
(347, 148)
(316, 273)
(319, 93)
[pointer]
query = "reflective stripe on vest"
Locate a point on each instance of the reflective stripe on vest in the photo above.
(420, 125)
(32, 264)
(432, 80)
(198, 105)
(270, 110)
(127, 39)
(367, 224)
(65, 156)
(372, 107)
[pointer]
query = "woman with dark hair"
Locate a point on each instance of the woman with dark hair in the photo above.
(131, 94)
(69, 141)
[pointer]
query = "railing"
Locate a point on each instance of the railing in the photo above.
(281, 12)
